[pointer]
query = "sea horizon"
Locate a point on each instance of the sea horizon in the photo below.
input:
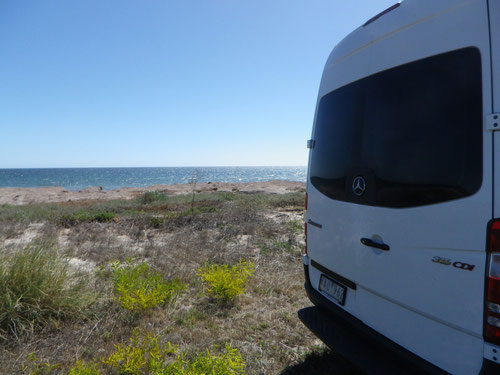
(172, 166)
(110, 178)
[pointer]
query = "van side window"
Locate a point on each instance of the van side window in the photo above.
(413, 132)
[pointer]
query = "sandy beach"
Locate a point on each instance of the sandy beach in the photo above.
(19, 196)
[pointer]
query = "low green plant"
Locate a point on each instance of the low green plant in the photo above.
(267, 248)
(227, 361)
(198, 210)
(139, 287)
(225, 282)
(157, 222)
(100, 217)
(34, 366)
(283, 200)
(152, 196)
(69, 220)
(190, 317)
(103, 217)
(283, 246)
(83, 368)
(295, 225)
(37, 288)
(144, 354)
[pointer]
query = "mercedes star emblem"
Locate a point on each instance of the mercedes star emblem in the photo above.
(359, 186)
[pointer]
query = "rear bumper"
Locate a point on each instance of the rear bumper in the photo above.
(370, 351)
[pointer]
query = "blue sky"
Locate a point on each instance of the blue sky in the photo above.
(121, 83)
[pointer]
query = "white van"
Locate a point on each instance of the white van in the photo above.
(403, 191)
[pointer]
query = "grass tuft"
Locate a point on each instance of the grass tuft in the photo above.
(37, 288)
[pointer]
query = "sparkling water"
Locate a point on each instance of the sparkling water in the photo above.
(115, 178)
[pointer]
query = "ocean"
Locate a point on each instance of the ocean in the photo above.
(116, 178)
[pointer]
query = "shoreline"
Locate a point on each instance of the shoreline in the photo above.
(57, 194)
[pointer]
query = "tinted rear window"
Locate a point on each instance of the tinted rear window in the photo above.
(413, 133)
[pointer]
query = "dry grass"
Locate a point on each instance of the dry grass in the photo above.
(162, 231)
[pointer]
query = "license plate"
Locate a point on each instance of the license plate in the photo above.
(332, 289)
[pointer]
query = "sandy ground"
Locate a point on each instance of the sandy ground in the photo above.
(18, 196)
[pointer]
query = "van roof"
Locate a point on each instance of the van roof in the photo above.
(385, 24)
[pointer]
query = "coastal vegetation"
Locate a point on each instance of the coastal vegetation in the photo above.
(37, 288)
(226, 281)
(139, 287)
(157, 285)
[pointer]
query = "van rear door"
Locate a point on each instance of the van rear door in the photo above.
(400, 179)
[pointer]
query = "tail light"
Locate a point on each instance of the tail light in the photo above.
(305, 227)
(492, 300)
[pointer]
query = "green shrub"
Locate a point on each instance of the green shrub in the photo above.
(36, 288)
(100, 217)
(227, 362)
(69, 220)
(153, 196)
(34, 366)
(225, 282)
(82, 368)
(139, 287)
(103, 217)
(198, 210)
(283, 200)
(145, 355)
(157, 222)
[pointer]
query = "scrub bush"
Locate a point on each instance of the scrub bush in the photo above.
(100, 217)
(82, 368)
(227, 362)
(225, 282)
(152, 196)
(34, 366)
(139, 287)
(145, 355)
(69, 220)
